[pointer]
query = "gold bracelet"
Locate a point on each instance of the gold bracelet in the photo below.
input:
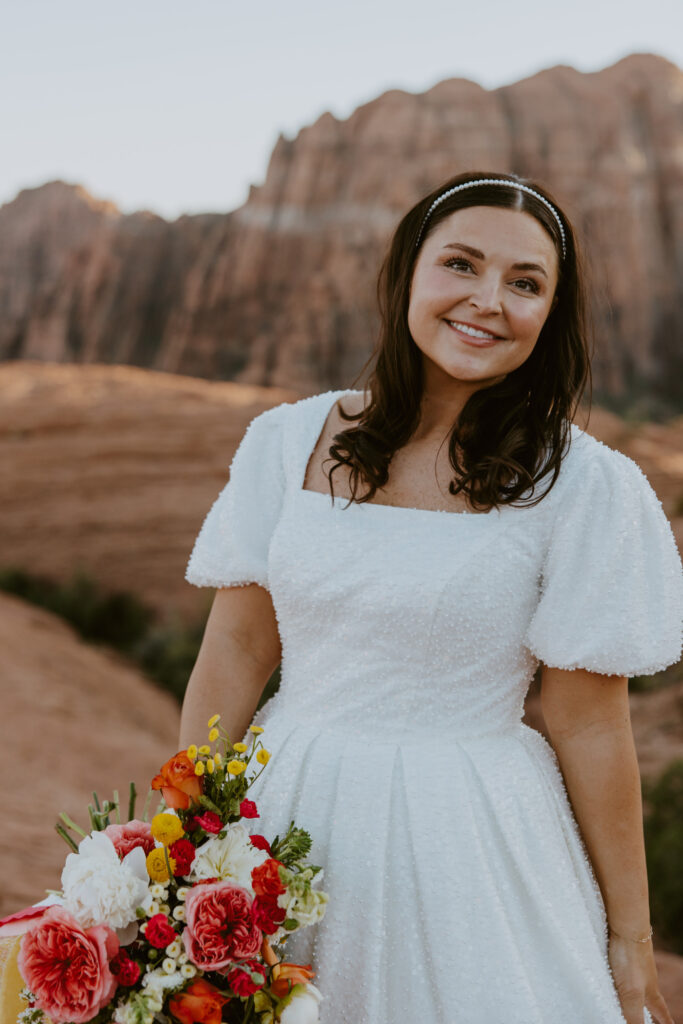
(646, 939)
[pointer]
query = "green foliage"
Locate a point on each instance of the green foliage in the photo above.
(648, 684)
(292, 847)
(118, 619)
(165, 651)
(663, 822)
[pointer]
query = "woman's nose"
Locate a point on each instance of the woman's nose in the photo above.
(486, 296)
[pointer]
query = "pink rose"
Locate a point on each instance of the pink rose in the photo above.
(20, 922)
(220, 926)
(67, 967)
(126, 837)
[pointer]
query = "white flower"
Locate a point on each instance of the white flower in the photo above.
(188, 970)
(99, 888)
(306, 909)
(179, 913)
(232, 857)
(174, 948)
(304, 1007)
(157, 983)
(169, 965)
(158, 891)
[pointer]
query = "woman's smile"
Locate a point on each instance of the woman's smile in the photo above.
(473, 336)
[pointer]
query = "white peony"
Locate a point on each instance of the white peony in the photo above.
(304, 1007)
(98, 888)
(232, 857)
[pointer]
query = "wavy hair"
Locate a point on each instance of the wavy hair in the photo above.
(507, 436)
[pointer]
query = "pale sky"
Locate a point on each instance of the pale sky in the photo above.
(175, 107)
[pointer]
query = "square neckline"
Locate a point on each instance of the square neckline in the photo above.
(367, 504)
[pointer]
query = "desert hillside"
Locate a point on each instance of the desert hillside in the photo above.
(74, 718)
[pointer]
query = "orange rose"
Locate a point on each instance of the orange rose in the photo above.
(178, 782)
(285, 976)
(200, 1003)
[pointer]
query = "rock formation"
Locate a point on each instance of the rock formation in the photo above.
(281, 291)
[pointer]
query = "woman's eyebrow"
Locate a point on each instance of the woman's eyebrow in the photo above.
(480, 256)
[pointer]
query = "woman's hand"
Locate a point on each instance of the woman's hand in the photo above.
(635, 977)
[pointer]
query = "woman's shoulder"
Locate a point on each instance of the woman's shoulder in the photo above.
(587, 451)
(300, 410)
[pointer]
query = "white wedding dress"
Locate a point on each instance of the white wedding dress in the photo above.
(460, 890)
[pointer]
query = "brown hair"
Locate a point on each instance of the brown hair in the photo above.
(508, 435)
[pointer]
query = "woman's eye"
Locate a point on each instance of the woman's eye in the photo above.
(457, 262)
(527, 280)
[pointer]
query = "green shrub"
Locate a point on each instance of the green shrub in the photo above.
(165, 651)
(663, 822)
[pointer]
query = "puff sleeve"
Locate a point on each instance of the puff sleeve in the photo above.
(231, 548)
(611, 596)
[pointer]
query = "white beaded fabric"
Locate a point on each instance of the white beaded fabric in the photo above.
(460, 888)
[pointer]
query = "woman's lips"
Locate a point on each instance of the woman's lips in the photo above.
(470, 340)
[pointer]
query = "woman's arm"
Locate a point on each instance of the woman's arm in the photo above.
(588, 719)
(239, 652)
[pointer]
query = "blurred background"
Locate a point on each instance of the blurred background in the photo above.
(195, 202)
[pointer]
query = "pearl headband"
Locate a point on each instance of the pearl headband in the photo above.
(494, 181)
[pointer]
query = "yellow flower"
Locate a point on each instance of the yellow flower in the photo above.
(255, 729)
(192, 751)
(263, 756)
(199, 768)
(210, 766)
(204, 749)
(213, 735)
(240, 747)
(212, 721)
(166, 828)
(156, 865)
(235, 767)
(218, 758)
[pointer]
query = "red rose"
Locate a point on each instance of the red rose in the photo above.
(200, 1003)
(126, 837)
(265, 879)
(183, 853)
(248, 809)
(268, 914)
(125, 970)
(209, 821)
(159, 932)
(240, 981)
(220, 926)
(67, 966)
(260, 842)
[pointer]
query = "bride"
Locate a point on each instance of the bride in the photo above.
(466, 533)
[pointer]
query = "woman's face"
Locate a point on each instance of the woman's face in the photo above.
(488, 270)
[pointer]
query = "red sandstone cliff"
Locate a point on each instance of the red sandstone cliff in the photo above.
(281, 291)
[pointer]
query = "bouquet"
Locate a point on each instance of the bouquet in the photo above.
(181, 919)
